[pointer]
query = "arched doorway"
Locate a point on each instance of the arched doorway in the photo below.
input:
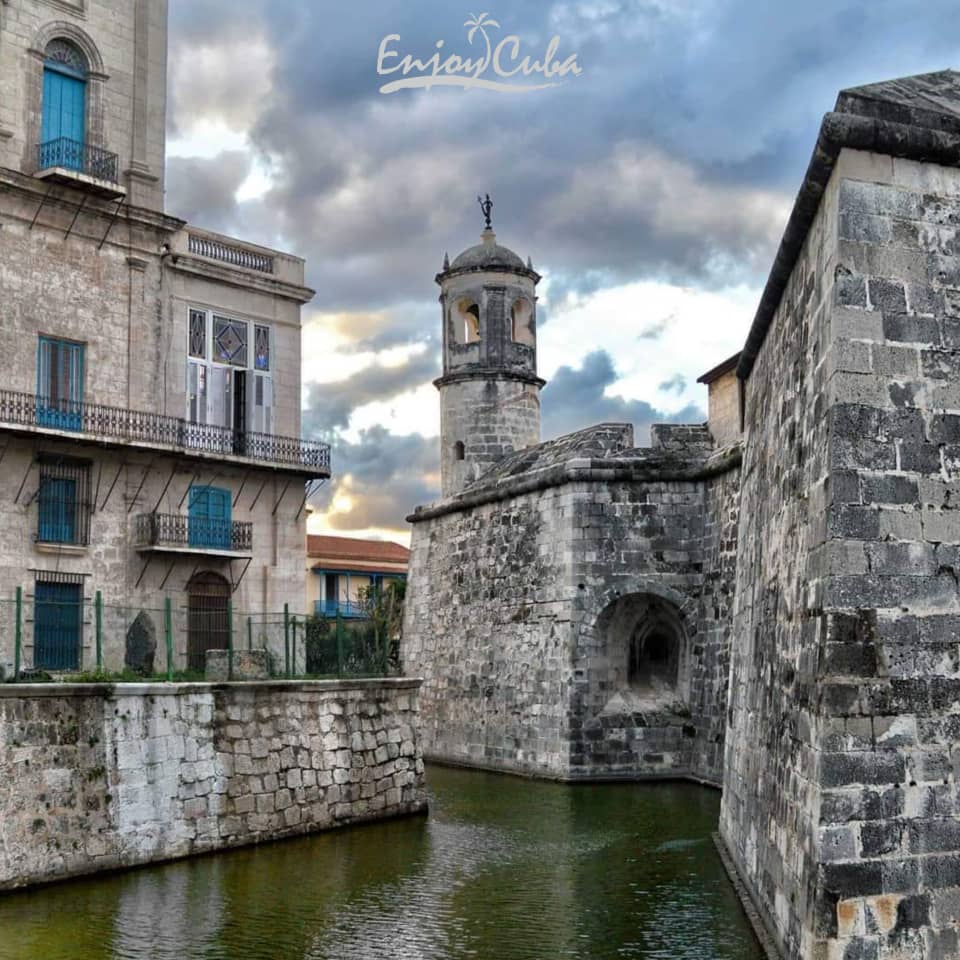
(208, 595)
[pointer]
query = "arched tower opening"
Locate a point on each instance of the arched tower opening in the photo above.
(467, 321)
(522, 323)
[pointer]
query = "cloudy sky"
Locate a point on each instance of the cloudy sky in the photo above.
(650, 191)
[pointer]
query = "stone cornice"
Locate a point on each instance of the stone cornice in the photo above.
(238, 278)
(71, 197)
(29, 691)
(653, 468)
(489, 373)
(445, 275)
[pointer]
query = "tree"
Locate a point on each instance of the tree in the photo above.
(383, 607)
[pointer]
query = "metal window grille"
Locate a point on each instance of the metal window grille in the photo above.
(261, 347)
(198, 334)
(67, 54)
(57, 621)
(63, 502)
(207, 617)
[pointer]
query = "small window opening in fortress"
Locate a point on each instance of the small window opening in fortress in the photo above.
(458, 450)
(468, 319)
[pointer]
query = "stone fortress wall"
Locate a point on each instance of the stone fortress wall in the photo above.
(94, 777)
(525, 591)
(774, 604)
(840, 796)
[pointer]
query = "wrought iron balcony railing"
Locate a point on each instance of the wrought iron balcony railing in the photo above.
(193, 533)
(348, 609)
(117, 423)
(80, 157)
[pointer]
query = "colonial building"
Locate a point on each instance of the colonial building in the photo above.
(342, 570)
(150, 407)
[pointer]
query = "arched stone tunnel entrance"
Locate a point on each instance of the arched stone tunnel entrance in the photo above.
(632, 717)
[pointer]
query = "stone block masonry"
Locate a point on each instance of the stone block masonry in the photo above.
(840, 804)
(527, 593)
(94, 777)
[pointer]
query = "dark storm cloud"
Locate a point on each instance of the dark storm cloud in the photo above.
(203, 190)
(574, 399)
(385, 477)
(329, 405)
(593, 176)
(675, 156)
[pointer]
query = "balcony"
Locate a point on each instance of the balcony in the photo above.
(215, 248)
(25, 412)
(172, 533)
(348, 609)
(79, 165)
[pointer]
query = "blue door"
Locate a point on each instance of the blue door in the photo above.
(59, 384)
(210, 522)
(63, 128)
(58, 510)
(57, 619)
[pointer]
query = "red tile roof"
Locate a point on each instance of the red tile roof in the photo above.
(349, 548)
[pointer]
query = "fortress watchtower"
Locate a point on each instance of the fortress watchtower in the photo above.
(489, 390)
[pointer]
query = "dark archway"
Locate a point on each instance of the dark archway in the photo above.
(208, 595)
(644, 638)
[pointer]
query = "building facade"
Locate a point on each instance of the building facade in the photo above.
(343, 571)
(150, 410)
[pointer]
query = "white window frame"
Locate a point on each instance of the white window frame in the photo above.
(208, 370)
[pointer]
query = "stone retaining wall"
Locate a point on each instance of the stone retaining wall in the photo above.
(96, 776)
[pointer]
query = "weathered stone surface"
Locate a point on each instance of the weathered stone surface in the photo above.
(557, 559)
(94, 777)
(247, 665)
(141, 645)
(840, 805)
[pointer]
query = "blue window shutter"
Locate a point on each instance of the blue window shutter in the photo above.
(50, 125)
(60, 374)
(64, 118)
(57, 619)
(210, 523)
(58, 510)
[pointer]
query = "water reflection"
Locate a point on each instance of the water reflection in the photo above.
(172, 913)
(504, 869)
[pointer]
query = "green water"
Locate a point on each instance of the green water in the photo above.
(503, 869)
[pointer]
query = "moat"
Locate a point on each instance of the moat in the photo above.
(503, 869)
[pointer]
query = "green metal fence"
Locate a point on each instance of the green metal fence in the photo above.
(44, 633)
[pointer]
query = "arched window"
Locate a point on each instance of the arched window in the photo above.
(521, 325)
(468, 321)
(63, 130)
(459, 451)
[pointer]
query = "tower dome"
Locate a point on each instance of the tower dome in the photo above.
(489, 390)
(487, 254)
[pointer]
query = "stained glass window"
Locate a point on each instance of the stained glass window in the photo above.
(230, 341)
(262, 348)
(198, 334)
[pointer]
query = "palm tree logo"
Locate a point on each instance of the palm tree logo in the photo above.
(480, 23)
